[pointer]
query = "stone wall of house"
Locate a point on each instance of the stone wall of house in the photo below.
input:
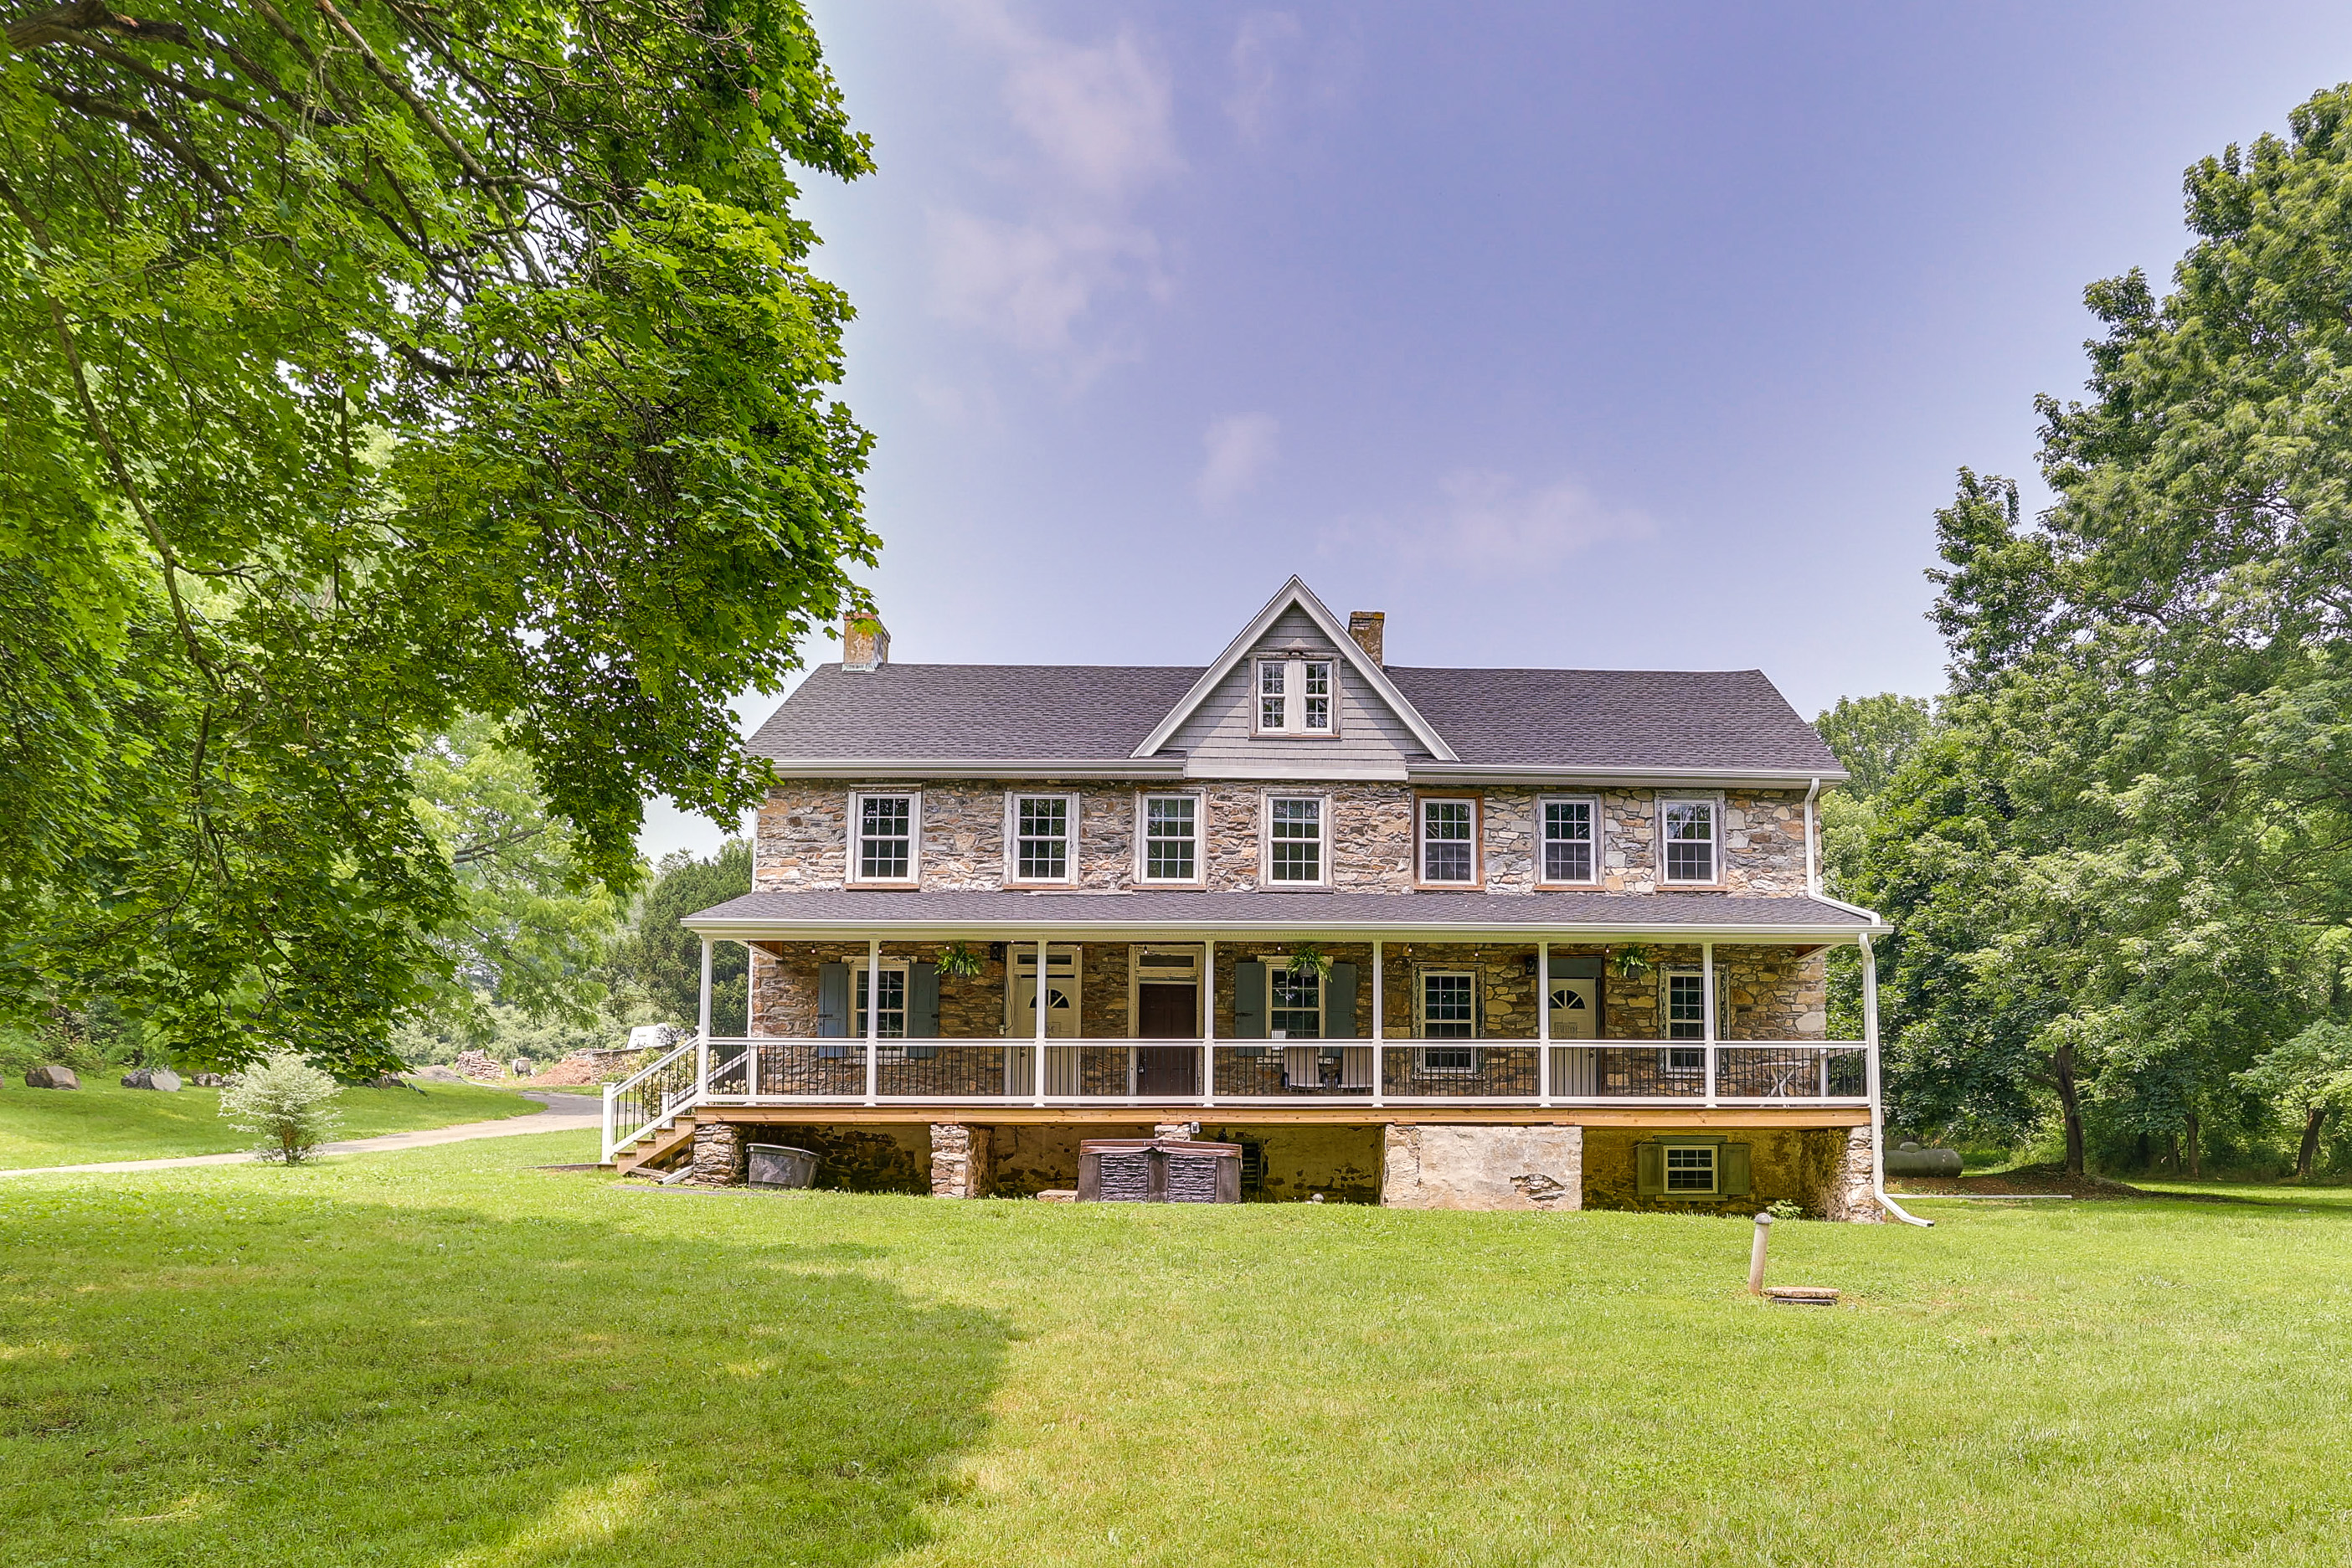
(1794, 1165)
(801, 840)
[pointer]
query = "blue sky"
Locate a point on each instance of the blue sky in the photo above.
(1639, 336)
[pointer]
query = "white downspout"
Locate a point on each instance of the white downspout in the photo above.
(1877, 1119)
(1813, 870)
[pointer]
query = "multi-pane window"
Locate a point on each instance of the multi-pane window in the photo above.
(1296, 696)
(1690, 1167)
(1685, 1006)
(1294, 1002)
(1171, 838)
(1294, 839)
(1687, 829)
(889, 1000)
(886, 838)
(1567, 840)
(1449, 1011)
(1041, 838)
(1449, 841)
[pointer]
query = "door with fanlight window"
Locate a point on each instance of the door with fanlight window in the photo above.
(1062, 996)
(1574, 998)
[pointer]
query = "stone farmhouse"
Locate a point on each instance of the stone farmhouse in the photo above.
(1461, 938)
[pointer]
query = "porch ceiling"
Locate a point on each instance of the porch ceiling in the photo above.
(1430, 917)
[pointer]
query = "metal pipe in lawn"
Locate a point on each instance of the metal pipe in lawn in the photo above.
(1755, 1254)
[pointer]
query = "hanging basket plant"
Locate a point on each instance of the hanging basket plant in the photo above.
(1631, 963)
(1309, 958)
(960, 960)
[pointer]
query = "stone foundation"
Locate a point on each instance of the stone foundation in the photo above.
(717, 1155)
(1450, 1166)
(959, 1160)
(1848, 1197)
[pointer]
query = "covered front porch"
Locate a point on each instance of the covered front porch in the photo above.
(1311, 1019)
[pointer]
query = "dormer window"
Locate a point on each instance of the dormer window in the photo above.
(1296, 696)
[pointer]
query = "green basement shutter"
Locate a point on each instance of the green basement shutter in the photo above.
(1249, 1000)
(833, 1008)
(1650, 1170)
(1732, 1175)
(1339, 1003)
(922, 1009)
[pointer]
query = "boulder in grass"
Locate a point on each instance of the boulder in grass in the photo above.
(164, 1079)
(439, 1074)
(210, 1080)
(51, 1076)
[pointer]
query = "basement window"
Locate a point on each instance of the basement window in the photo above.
(1690, 1169)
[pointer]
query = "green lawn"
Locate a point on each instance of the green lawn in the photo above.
(447, 1357)
(101, 1121)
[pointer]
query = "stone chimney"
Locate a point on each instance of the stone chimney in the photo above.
(1370, 629)
(864, 643)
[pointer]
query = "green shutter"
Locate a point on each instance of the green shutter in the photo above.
(1249, 1000)
(833, 1008)
(1339, 1003)
(1650, 1170)
(922, 1009)
(1732, 1176)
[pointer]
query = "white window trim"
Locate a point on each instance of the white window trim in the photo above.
(1013, 877)
(890, 1045)
(1266, 838)
(1658, 835)
(1698, 1042)
(1136, 981)
(1543, 874)
(1293, 696)
(1200, 838)
(1421, 978)
(914, 799)
(1477, 878)
(1278, 964)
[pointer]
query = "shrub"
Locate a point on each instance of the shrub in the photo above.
(286, 1102)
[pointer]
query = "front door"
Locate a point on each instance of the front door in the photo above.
(1575, 1004)
(1167, 1007)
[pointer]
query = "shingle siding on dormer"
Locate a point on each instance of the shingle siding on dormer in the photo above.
(1217, 740)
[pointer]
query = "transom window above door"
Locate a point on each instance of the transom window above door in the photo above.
(1297, 696)
(1449, 839)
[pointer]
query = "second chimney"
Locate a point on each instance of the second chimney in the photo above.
(1369, 628)
(864, 643)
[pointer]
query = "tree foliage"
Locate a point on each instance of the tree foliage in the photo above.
(284, 1101)
(659, 961)
(2121, 871)
(362, 366)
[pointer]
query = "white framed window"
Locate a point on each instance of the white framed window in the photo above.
(1449, 839)
(884, 990)
(1041, 838)
(886, 836)
(1690, 833)
(1690, 1168)
(1293, 1003)
(1297, 852)
(1684, 1003)
(1167, 838)
(1297, 696)
(1448, 1000)
(1571, 838)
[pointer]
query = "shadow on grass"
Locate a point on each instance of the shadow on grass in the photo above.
(202, 1376)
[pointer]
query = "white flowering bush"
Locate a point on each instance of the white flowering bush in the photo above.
(286, 1103)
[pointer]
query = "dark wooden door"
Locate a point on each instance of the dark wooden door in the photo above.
(1166, 1013)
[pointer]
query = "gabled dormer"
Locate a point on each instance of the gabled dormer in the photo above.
(1297, 694)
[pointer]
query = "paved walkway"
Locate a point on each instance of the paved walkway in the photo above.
(564, 1114)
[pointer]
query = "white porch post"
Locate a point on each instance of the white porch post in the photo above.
(872, 1019)
(1543, 1020)
(1042, 988)
(1870, 1062)
(751, 1020)
(1379, 1026)
(1706, 1001)
(702, 1036)
(1209, 1022)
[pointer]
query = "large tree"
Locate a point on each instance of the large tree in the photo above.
(2152, 684)
(364, 364)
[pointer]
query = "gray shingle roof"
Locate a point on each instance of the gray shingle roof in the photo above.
(1532, 719)
(1283, 911)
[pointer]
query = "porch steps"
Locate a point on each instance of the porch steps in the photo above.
(655, 1144)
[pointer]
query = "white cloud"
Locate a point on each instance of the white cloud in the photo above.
(1099, 119)
(1485, 518)
(1259, 43)
(1238, 449)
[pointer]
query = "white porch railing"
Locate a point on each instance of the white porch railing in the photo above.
(1184, 1075)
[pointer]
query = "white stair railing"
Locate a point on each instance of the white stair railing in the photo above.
(651, 1095)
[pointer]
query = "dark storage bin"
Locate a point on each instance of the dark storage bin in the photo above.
(1148, 1170)
(781, 1165)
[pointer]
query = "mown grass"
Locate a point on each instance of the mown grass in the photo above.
(446, 1357)
(101, 1122)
